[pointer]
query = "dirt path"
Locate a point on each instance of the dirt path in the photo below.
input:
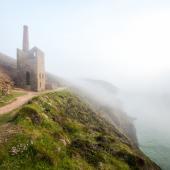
(17, 103)
(21, 100)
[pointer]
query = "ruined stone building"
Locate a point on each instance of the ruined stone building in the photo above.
(30, 66)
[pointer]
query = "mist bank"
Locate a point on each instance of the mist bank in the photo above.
(148, 108)
(151, 111)
(102, 97)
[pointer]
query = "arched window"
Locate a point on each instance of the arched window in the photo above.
(27, 78)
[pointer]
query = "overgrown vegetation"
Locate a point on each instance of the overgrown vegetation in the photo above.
(57, 131)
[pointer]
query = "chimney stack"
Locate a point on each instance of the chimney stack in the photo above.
(25, 39)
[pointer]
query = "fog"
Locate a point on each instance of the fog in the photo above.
(148, 106)
(123, 42)
(151, 110)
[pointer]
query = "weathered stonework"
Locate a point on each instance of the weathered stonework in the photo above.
(30, 66)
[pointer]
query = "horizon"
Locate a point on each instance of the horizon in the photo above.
(121, 42)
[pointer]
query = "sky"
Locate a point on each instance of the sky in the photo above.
(121, 41)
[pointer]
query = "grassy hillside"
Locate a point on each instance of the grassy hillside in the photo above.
(57, 131)
(101, 96)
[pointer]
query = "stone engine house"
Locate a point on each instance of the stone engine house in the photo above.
(30, 66)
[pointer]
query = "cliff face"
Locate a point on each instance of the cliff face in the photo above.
(101, 96)
(59, 131)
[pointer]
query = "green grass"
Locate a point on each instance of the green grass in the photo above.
(4, 100)
(8, 117)
(60, 132)
(5, 118)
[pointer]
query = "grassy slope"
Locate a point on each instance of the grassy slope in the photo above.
(57, 131)
(4, 100)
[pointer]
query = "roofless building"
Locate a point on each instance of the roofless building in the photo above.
(30, 66)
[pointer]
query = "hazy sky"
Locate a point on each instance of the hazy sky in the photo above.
(107, 39)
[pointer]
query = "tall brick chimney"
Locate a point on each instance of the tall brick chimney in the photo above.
(25, 39)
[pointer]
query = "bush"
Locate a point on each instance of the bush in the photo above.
(30, 112)
(87, 150)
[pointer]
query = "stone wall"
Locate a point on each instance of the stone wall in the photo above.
(30, 68)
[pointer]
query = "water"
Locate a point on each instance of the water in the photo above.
(152, 113)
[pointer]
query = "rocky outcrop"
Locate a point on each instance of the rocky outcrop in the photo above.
(6, 83)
